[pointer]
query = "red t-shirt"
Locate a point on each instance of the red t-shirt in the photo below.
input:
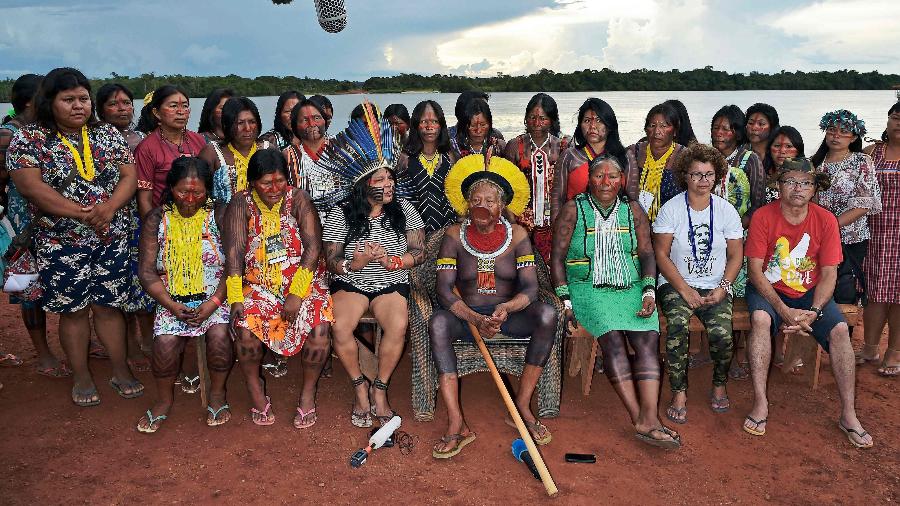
(794, 254)
(154, 157)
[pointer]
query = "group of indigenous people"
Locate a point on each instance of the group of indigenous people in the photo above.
(267, 245)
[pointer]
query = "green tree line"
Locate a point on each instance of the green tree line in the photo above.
(705, 79)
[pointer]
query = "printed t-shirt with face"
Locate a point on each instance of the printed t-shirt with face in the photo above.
(794, 255)
(726, 223)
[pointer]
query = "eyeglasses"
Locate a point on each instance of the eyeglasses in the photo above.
(700, 176)
(805, 185)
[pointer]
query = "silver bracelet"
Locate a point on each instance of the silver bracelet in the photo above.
(649, 294)
(345, 265)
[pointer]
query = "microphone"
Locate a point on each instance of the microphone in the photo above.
(376, 441)
(520, 452)
(332, 15)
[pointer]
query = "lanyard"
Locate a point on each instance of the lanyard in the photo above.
(84, 164)
(693, 239)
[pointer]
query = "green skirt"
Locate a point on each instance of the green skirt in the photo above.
(600, 310)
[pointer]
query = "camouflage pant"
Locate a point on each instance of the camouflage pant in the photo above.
(716, 319)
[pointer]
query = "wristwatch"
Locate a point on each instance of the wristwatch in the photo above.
(818, 312)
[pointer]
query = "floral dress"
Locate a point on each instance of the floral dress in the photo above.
(213, 258)
(262, 304)
(853, 185)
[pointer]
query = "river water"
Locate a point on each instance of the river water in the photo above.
(801, 109)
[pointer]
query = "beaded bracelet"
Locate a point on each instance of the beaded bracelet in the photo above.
(396, 263)
(648, 282)
(301, 283)
(235, 289)
(562, 291)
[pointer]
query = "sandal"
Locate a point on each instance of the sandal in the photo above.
(535, 428)
(382, 419)
(263, 418)
(85, 398)
(137, 389)
(755, 430)
(719, 404)
(60, 371)
(216, 420)
(851, 432)
(461, 442)
(276, 369)
(677, 415)
(861, 360)
(10, 360)
(150, 428)
(305, 419)
(97, 350)
(361, 419)
(669, 444)
(190, 385)
(139, 365)
(740, 371)
(889, 371)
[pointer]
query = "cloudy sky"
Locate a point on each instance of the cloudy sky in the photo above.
(472, 37)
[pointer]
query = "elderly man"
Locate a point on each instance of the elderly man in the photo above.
(794, 248)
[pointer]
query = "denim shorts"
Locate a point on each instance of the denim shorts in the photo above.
(831, 313)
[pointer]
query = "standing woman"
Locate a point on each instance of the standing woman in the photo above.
(276, 285)
(371, 241)
(181, 266)
(398, 115)
(686, 135)
(745, 185)
(853, 196)
(603, 268)
(281, 135)
(18, 211)
(80, 175)
(475, 133)
(762, 123)
(309, 121)
(168, 113)
(597, 133)
(650, 180)
(424, 165)
(785, 142)
(698, 239)
(884, 245)
(211, 115)
(536, 153)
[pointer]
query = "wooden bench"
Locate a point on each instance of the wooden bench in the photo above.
(582, 348)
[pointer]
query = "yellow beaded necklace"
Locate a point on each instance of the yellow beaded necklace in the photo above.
(85, 162)
(430, 164)
(240, 167)
(651, 179)
(270, 223)
(184, 252)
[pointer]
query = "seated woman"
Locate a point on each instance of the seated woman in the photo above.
(371, 241)
(487, 278)
(181, 264)
(698, 240)
(276, 288)
(603, 267)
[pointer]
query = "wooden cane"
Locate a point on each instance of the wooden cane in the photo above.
(544, 473)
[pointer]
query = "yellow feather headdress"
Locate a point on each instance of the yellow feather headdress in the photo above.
(470, 169)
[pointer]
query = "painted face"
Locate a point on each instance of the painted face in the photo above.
(399, 125)
(723, 137)
(782, 148)
(593, 128)
(660, 133)
(174, 112)
(605, 182)
(72, 108)
(838, 139)
(118, 110)
(217, 112)
(284, 115)
(189, 194)
(701, 176)
(537, 123)
(485, 204)
(380, 188)
(478, 129)
(429, 126)
(246, 128)
(797, 187)
(758, 128)
(310, 124)
(271, 187)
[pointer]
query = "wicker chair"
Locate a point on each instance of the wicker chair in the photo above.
(508, 352)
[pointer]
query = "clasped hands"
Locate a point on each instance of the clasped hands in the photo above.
(97, 216)
(489, 325)
(695, 300)
(798, 322)
(367, 251)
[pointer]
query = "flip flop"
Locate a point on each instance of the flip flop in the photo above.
(461, 442)
(533, 428)
(190, 385)
(216, 421)
(10, 360)
(150, 429)
(889, 371)
(131, 385)
(680, 414)
(305, 419)
(60, 371)
(755, 430)
(739, 372)
(851, 432)
(719, 404)
(668, 444)
(276, 369)
(76, 394)
(140, 365)
(97, 350)
(265, 420)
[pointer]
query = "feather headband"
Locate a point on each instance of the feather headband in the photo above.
(845, 120)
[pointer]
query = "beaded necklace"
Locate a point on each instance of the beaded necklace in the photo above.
(430, 164)
(539, 160)
(240, 167)
(486, 281)
(183, 249)
(85, 164)
(270, 225)
(651, 177)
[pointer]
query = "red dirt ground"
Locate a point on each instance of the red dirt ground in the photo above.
(56, 453)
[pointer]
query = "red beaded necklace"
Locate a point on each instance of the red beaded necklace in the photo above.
(486, 243)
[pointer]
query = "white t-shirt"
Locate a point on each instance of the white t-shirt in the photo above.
(673, 219)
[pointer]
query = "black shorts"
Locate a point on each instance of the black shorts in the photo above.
(338, 285)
